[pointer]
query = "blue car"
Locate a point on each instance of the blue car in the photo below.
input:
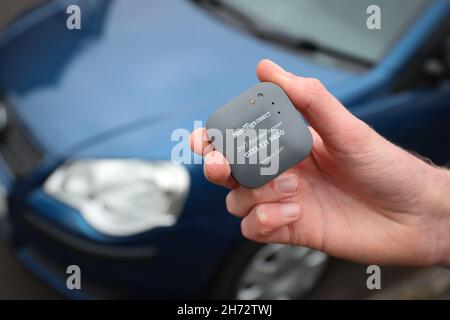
(87, 119)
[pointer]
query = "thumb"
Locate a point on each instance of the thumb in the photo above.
(321, 109)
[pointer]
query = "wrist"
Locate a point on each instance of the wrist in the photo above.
(439, 210)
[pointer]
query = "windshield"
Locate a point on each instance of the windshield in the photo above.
(335, 25)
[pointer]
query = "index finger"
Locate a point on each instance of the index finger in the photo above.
(218, 170)
(216, 167)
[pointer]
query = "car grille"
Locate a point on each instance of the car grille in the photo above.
(20, 154)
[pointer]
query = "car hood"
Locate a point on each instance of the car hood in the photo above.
(129, 67)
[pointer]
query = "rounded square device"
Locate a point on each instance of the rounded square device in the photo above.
(261, 134)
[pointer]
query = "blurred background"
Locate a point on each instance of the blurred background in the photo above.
(41, 61)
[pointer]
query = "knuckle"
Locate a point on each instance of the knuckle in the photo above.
(261, 216)
(262, 221)
(290, 75)
(316, 86)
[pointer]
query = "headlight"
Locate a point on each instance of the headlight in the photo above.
(122, 197)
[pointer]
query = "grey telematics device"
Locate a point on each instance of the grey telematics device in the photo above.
(260, 133)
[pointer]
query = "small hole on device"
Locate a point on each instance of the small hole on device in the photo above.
(273, 102)
(278, 112)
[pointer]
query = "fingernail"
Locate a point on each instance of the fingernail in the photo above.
(287, 184)
(290, 210)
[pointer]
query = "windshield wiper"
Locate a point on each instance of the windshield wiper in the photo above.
(285, 39)
(228, 12)
(237, 17)
(244, 21)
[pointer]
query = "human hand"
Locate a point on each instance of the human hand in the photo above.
(357, 196)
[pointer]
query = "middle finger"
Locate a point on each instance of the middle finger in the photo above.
(241, 200)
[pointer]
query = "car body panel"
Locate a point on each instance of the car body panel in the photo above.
(52, 75)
